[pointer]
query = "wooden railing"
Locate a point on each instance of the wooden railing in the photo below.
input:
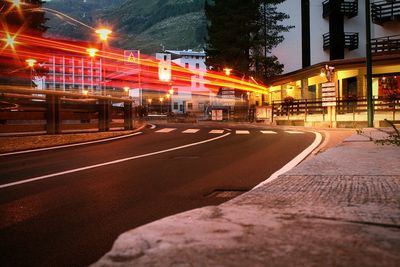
(348, 8)
(387, 44)
(343, 106)
(350, 40)
(54, 112)
(383, 11)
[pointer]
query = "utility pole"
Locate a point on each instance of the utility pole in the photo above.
(370, 104)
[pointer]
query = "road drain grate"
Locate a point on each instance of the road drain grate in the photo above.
(226, 193)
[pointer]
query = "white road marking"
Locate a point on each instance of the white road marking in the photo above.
(242, 132)
(166, 130)
(294, 132)
(216, 132)
(190, 131)
(294, 162)
(152, 126)
(70, 145)
(268, 132)
(110, 162)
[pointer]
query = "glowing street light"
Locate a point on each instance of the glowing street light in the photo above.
(31, 62)
(85, 92)
(126, 88)
(227, 71)
(92, 51)
(103, 33)
(16, 3)
(167, 96)
(149, 100)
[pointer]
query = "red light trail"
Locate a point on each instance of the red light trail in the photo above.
(16, 48)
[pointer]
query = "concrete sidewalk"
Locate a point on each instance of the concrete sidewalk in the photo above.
(338, 208)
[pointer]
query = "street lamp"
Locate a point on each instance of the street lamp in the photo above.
(92, 52)
(227, 71)
(103, 35)
(126, 89)
(31, 63)
(162, 102)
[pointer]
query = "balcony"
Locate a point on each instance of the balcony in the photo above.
(348, 8)
(350, 40)
(387, 45)
(384, 11)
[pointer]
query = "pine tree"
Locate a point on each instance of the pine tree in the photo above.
(241, 35)
(267, 65)
(231, 27)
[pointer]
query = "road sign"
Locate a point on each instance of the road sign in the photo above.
(132, 57)
(328, 94)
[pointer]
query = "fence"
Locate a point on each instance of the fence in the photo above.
(346, 110)
(54, 112)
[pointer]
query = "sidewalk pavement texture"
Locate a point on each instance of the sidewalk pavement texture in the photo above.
(340, 207)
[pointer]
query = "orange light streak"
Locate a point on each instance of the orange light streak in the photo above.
(41, 49)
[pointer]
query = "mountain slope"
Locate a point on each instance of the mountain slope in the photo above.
(138, 24)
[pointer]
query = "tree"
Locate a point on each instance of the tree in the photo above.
(241, 35)
(231, 27)
(266, 64)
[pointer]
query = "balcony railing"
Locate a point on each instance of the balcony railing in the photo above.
(389, 44)
(350, 40)
(383, 11)
(348, 8)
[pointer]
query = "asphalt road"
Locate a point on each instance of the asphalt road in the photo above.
(76, 201)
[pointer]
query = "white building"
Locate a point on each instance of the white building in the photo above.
(195, 96)
(344, 31)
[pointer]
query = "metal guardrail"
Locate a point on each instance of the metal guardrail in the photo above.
(30, 110)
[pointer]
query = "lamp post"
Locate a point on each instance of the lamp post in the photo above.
(31, 63)
(126, 89)
(162, 102)
(103, 34)
(92, 53)
(370, 104)
(149, 103)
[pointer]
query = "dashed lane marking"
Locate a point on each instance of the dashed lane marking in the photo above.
(294, 132)
(166, 130)
(242, 132)
(268, 132)
(216, 132)
(190, 131)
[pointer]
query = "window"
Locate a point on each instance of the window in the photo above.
(197, 66)
(175, 105)
(186, 65)
(165, 57)
(190, 105)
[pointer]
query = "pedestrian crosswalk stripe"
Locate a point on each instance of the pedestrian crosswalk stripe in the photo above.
(166, 130)
(191, 131)
(216, 132)
(294, 132)
(242, 132)
(268, 132)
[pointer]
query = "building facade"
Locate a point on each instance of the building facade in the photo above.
(331, 34)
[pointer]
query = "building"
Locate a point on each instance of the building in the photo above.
(332, 34)
(193, 96)
(333, 29)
